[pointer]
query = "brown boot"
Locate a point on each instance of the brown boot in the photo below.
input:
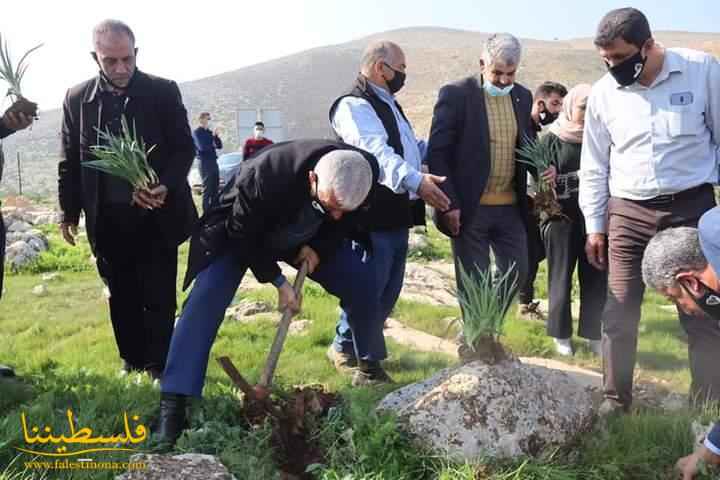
(369, 374)
(343, 362)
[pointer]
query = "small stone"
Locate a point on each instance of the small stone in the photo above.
(188, 466)
(299, 327)
(417, 242)
(19, 226)
(248, 308)
(40, 290)
(51, 277)
(674, 402)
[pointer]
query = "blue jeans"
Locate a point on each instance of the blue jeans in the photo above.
(198, 325)
(368, 287)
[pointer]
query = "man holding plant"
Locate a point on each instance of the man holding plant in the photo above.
(9, 124)
(136, 214)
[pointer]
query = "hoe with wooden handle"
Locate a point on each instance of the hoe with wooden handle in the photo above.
(261, 391)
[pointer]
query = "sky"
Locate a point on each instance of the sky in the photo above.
(185, 40)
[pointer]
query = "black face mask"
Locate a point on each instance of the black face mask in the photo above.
(709, 302)
(546, 117)
(627, 72)
(397, 82)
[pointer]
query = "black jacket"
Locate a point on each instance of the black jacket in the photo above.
(390, 210)
(155, 107)
(459, 145)
(267, 192)
(5, 131)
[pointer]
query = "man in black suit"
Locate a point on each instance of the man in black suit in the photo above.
(10, 123)
(294, 201)
(477, 125)
(134, 234)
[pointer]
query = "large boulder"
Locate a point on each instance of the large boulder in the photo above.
(22, 247)
(504, 410)
(188, 466)
(18, 254)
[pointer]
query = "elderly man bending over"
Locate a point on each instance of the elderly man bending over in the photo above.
(291, 201)
(683, 264)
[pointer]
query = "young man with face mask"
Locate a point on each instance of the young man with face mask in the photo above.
(477, 125)
(683, 264)
(206, 143)
(649, 159)
(133, 234)
(368, 277)
(547, 105)
(257, 142)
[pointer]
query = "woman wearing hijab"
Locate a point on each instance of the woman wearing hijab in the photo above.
(564, 236)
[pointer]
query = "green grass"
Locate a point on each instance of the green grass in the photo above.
(63, 348)
(438, 247)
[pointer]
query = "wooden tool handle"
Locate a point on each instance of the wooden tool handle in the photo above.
(279, 341)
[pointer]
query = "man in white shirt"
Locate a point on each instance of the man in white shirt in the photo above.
(649, 159)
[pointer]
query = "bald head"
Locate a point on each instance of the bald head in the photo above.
(378, 52)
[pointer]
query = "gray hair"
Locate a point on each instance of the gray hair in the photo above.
(378, 51)
(670, 252)
(502, 47)
(112, 26)
(346, 173)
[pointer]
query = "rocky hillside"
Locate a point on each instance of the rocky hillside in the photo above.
(303, 85)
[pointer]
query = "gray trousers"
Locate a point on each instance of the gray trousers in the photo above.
(631, 225)
(499, 228)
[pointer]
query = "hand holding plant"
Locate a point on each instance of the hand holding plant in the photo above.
(540, 155)
(125, 156)
(13, 76)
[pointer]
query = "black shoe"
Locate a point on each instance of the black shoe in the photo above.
(369, 374)
(155, 371)
(128, 368)
(173, 418)
(6, 372)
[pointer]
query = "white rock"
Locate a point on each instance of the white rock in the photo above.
(506, 410)
(248, 308)
(188, 466)
(299, 327)
(50, 277)
(19, 226)
(417, 242)
(40, 290)
(19, 254)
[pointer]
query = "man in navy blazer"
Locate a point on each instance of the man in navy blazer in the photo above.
(478, 123)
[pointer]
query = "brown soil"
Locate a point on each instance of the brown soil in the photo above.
(547, 206)
(487, 350)
(23, 105)
(293, 418)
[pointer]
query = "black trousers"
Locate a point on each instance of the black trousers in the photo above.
(2, 253)
(565, 248)
(210, 174)
(140, 270)
(536, 254)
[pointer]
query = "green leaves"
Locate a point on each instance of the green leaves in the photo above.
(485, 302)
(13, 75)
(124, 156)
(539, 155)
